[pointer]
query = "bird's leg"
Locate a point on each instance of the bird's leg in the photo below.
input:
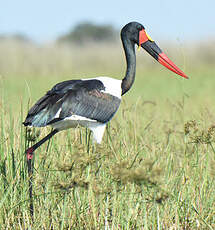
(30, 151)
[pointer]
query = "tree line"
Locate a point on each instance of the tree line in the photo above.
(83, 32)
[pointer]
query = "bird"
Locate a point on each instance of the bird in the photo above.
(92, 103)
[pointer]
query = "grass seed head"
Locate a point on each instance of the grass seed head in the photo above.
(32, 134)
(197, 134)
(76, 182)
(147, 173)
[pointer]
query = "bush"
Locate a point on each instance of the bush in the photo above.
(87, 31)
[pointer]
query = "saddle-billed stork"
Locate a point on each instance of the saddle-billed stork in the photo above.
(93, 102)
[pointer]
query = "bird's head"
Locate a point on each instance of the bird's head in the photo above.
(136, 33)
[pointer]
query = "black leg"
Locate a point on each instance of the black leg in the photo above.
(30, 152)
(30, 174)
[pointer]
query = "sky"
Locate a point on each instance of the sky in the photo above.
(45, 20)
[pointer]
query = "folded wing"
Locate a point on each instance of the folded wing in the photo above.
(85, 98)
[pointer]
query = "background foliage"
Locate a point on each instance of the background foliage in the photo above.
(86, 32)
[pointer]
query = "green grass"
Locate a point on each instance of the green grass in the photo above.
(155, 168)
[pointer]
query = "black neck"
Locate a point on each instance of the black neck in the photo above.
(129, 49)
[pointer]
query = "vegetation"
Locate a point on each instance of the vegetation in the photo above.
(86, 32)
(15, 37)
(155, 168)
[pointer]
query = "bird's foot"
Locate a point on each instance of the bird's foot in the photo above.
(30, 153)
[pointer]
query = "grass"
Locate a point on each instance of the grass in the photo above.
(155, 168)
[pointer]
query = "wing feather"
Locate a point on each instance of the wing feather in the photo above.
(75, 97)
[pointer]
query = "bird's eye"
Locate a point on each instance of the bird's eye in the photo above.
(140, 27)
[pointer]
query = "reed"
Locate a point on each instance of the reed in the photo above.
(155, 167)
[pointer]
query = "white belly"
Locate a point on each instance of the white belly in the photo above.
(96, 127)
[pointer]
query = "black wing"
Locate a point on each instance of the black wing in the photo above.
(75, 97)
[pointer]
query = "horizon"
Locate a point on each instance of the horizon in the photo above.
(46, 21)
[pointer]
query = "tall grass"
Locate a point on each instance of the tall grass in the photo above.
(155, 168)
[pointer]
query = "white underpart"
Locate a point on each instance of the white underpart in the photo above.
(112, 86)
(73, 121)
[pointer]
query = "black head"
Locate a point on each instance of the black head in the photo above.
(131, 31)
(134, 33)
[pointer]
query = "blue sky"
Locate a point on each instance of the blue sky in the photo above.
(45, 20)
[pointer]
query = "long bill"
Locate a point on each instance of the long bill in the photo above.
(151, 47)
